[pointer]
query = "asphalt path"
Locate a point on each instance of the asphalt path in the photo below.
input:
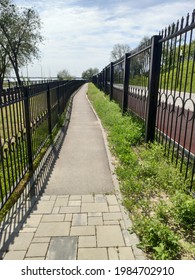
(82, 166)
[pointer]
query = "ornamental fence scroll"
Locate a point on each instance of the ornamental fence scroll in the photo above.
(28, 117)
(156, 81)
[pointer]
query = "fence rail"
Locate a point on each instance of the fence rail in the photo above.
(28, 117)
(156, 81)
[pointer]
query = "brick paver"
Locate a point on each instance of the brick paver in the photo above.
(96, 235)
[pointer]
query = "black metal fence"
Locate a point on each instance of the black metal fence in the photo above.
(28, 117)
(156, 81)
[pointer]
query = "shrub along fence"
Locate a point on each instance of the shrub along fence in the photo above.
(156, 81)
(28, 117)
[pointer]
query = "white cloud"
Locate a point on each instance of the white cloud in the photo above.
(81, 34)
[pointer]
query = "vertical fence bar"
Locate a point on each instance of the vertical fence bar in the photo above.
(126, 84)
(156, 50)
(111, 80)
(105, 79)
(49, 110)
(28, 128)
(58, 98)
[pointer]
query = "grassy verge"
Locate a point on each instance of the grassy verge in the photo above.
(153, 189)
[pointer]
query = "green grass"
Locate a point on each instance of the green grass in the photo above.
(152, 186)
(180, 78)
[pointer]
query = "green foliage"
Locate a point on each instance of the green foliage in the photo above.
(185, 210)
(152, 186)
(19, 34)
(157, 238)
(64, 75)
(89, 73)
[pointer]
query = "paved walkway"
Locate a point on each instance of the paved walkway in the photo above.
(78, 213)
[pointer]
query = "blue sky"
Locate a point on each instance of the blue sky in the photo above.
(81, 33)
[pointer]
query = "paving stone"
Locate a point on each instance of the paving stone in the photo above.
(112, 216)
(113, 254)
(122, 224)
(127, 237)
(41, 240)
(94, 221)
(116, 222)
(74, 203)
(94, 214)
(13, 227)
(37, 250)
(82, 230)
(109, 236)
(53, 218)
(87, 241)
(70, 209)
(28, 229)
(87, 198)
(45, 197)
(114, 208)
(53, 197)
(68, 217)
(139, 254)
(100, 198)
(21, 242)
(92, 254)
(43, 207)
(133, 239)
(35, 258)
(56, 210)
(94, 207)
(15, 255)
(126, 253)
(61, 201)
(62, 248)
(79, 220)
(112, 200)
(33, 221)
(53, 229)
(75, 197)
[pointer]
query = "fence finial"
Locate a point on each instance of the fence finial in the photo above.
(193, 16)
(177, 26)
(187, 19)
(165, 32)
(169, 30)
(173, 28)
(182, 21)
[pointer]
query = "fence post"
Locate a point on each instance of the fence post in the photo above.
(111, 80)
(156, 51)
(126, 83)
(103, 80)
(58, 98)
(28, 128)
(49, 110)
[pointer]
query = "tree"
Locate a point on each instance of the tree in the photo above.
(64, 75)
(119, 50)
(89, 73)
(4, 66)
(19, 34)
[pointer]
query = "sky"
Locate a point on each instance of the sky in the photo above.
(80, 34)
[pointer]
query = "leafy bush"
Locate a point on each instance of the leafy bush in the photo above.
(185, 210)
(157, 238)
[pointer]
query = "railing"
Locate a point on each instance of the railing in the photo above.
(28, 117)
(156, 82)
